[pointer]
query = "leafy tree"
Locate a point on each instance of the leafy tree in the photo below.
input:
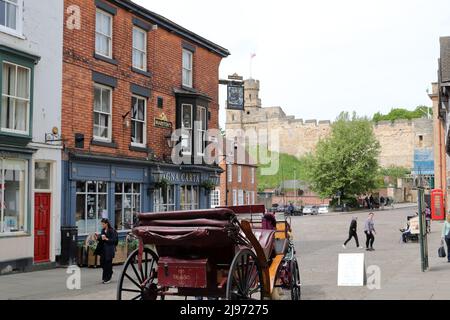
(346, 161)
(392, 173)
(403, 114)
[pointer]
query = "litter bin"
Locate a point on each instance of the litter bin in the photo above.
(69, 235)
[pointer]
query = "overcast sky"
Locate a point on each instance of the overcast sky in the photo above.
(316, 58)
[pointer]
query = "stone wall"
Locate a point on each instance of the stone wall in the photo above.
(298, 137)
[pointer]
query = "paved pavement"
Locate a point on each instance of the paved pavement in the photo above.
(318, 242)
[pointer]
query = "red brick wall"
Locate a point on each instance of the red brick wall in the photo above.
(245, 184)
(164, 53)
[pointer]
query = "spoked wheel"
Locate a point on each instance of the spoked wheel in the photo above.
(245, 277)
(295, 280)
(139, 283)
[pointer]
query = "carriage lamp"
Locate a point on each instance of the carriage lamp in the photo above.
(157, 175)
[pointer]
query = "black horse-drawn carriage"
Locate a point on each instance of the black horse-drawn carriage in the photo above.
(228, 253)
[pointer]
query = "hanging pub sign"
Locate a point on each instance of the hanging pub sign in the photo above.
(162, 122)
(235, 97)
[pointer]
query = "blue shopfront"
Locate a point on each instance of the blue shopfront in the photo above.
(101, 187)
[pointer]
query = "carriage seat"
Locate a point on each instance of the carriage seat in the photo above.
(267, 240)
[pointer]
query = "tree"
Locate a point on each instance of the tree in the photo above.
(345, 162)
(403, 114)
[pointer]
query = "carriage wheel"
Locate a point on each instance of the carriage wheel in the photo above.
(139, 283)
(244, 277)
(295, 280)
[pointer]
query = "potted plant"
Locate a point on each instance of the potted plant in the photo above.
(121, 252)
(162, 184)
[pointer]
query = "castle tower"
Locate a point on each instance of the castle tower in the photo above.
(251, 96)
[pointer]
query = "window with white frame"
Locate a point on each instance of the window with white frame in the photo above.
(235, 198)
(103, 33)
(230, 172)
(138, 121)
(164, 199)
(201, 121)
(15, 113)
(186, 126)
(240, 197)
(215, 198)
(11, 15)
(253, 197)
(127, 205)
(102, 112)
(13, 196)
(42, 176)
(253, 175)
(91, 205)
(190, 197)
(248, 197)
(187, 68)
(239, 173)
(139, 49)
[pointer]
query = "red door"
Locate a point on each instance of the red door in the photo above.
(41, 227)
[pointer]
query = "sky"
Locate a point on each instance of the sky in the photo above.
(317, 58)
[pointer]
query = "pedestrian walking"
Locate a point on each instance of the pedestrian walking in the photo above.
(446, 235)
(352, 233)
(369, 230)
(106, 247)
(366, 199)
(428, 218)
(371, 202)
(382, 202)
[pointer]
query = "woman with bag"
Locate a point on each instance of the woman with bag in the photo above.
(106, 249)
(446, 235)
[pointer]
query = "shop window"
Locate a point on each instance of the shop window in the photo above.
(164, 199)
(42, 176)
(138, 121)
(103, 33)
(215, 198)
(15, 103)
(13, 196)
(91, 205)
(139, 49)
(102, 112)
(189, 197)
(127, 205)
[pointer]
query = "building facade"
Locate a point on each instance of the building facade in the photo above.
(440, 97)
(238, 182)
(30, 152)
(131, 77)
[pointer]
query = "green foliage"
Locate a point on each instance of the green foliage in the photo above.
(392, 173)
(346, 161)
(403, 114)
(290, 167)
(208, 185)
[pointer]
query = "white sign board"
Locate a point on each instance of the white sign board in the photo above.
(351, 270)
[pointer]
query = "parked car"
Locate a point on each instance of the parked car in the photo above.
(310, 210)
(324, 209)
(298, 210)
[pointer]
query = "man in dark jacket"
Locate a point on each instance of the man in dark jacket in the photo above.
(106, 249)
(352, 233)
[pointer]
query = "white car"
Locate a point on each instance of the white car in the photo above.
(324, 209)
(310, 210)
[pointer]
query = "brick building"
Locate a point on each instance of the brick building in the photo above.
(131, 77)
(238, 183)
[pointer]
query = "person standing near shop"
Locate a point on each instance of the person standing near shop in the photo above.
(107, 241)
(352, 233)
(369, 230)
(446, 235)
